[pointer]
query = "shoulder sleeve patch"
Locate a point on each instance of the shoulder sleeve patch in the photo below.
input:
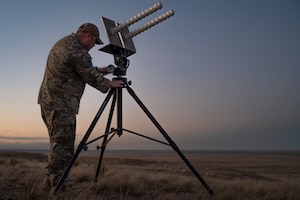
(88, 61)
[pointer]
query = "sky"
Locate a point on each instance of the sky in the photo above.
(218, 75)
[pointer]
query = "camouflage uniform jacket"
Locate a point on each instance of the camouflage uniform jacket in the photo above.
(69, 68)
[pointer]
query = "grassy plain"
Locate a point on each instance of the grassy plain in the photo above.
(157, 175)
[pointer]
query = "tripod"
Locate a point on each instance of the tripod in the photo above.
(117, 94)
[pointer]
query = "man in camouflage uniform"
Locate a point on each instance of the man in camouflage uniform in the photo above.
(69, 67)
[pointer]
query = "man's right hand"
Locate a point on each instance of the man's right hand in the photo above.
(116, 83)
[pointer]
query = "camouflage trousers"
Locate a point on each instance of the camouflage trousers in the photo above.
(61, 129)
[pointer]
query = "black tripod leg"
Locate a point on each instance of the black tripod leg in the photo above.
(106, 136)
(172, 143)
(83, 141)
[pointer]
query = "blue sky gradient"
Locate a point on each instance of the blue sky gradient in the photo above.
(217, 75)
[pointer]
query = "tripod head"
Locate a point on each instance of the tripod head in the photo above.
(122, 64)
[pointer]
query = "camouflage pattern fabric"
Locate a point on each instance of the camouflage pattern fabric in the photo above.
(61, 128)
(69, 68)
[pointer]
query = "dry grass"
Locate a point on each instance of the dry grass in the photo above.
(157, 176)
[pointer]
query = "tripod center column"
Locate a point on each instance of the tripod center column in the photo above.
(119, 93)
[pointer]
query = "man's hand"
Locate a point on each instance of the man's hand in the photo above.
(110, 69)
(106, 70)
(116, 83)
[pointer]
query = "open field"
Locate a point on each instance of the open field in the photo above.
(158, 175)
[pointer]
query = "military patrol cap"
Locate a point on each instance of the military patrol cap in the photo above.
(91, 28)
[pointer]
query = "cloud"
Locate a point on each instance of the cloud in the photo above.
(22, 138)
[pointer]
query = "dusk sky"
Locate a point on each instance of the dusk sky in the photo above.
(218, 75)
